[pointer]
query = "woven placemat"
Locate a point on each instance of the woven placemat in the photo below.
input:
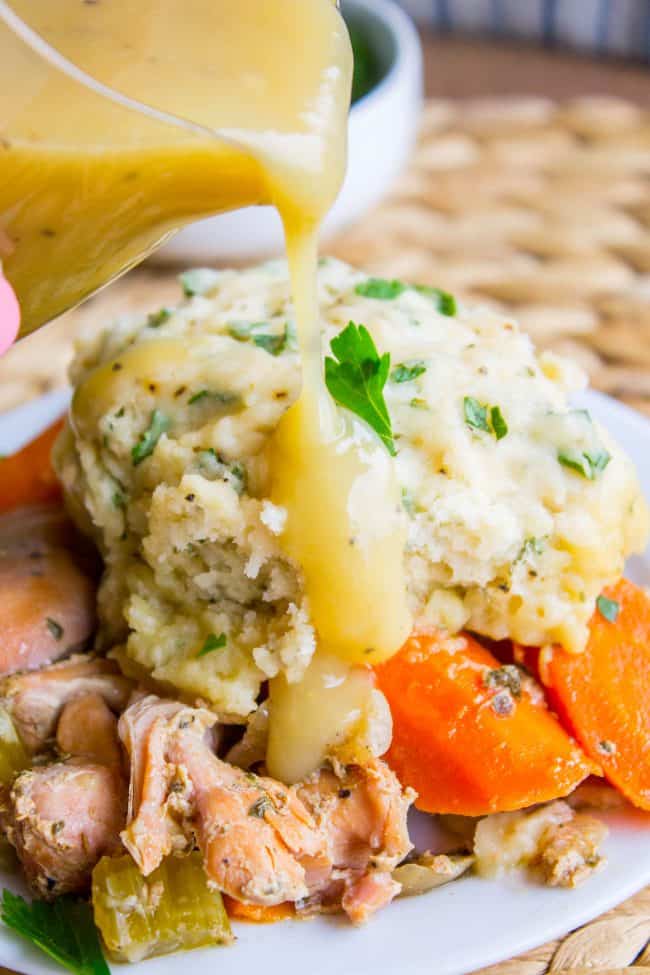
(539, 209)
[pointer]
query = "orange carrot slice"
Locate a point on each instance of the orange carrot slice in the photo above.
(466, 737)
(603, 694)
(28, 477)
(257, 913)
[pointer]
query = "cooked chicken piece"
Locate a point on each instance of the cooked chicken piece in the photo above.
(158, 805)
(62, 819)
(569, 852)
(251, 830)
(48, 595)
(35, 700)
(87, 728)
(263, 843)
(362, 812)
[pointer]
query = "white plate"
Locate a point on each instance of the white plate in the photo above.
(452, 931)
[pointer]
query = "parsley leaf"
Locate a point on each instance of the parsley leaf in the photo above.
(385, 290)
(476, 414)
(381, 289)
(271, 342)
(55, 628)
(213, 642)
(158, 424)
(64, 930)
(404, 373)
(198, 281)
(157, 318)
(488, 419)
(608, 608)
(499, 425)
(588, 464)
(444, 302)
(357, 380)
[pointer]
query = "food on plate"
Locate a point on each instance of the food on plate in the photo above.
(472, 736)
(602, 694)
(212, 753)
(166, 461)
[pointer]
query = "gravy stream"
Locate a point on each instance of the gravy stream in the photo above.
(89, 185)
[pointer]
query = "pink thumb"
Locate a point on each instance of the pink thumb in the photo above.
(9, 315)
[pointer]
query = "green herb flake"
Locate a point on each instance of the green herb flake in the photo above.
(499, 425)
(445, 303)
(157, 318)
(198, 281)
(380, 289)
(212, 642)
(273, 344)
(476, 414)
(64, 930)
(258, 333)
(405, 372)
(588, 464)
(260, 807)
(417, 403)
(608, 608)
(356, 381)
(55, 628)
(198, 397)
(118, 500)
(158, 424)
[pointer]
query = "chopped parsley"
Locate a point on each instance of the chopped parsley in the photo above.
(258, 333)
(445, 303)
(499, 425)
(204, 394)
(487, 419)
(64, 930)
(589, 464)
(381, 289)
(260, 807)
(476, 414)
(531, 546)
(55, 628)
(213, 642)
(158, 424)
(405, 372)
(356, 380)
(157, 318)
(608, 608)
(198, 281)
(118, 500)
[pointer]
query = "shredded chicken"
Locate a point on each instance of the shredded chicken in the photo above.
(61, 819)
(35, 700)
(569, 852)
(332, 841)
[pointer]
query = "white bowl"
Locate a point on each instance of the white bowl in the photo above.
(382, 130)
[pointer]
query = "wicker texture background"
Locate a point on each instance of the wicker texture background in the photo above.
(540, 209)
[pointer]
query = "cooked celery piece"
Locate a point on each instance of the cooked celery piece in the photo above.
(171, 909)
(13, 757)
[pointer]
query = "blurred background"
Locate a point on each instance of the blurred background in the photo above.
(499, 149)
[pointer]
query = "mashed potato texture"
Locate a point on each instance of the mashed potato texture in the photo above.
(520, 508)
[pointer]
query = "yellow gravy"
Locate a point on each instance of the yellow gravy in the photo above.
(238, 102)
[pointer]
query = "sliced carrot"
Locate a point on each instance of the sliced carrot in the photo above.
(28, 477)
(257, 913)
(467, 743)
(603, 694)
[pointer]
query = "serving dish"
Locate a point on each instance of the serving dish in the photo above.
(451, 931)
(381, 134)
